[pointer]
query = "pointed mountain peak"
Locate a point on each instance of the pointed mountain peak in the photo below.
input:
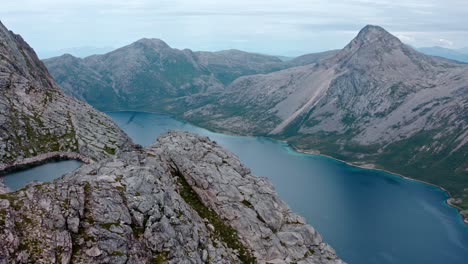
(374, 35)
(371, 30)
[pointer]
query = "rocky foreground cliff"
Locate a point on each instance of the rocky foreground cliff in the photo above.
(181, 200)
(36, 118)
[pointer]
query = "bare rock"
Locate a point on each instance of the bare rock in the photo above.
(118, 211)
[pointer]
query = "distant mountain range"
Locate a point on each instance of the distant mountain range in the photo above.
(376, 101)
(148, 71)
(80, 52)
(458, 55)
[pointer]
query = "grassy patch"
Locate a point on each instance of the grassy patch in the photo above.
(161, 258)
(108, 226)
(117, 254)
(109, 150)
(222, 231)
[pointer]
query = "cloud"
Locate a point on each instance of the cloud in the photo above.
(445, 42)
(274, 26)
(406, 38)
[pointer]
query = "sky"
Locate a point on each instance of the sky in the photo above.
(286, 27)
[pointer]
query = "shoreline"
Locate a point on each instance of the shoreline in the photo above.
(370, 166)
(3, 188)
(41, 159)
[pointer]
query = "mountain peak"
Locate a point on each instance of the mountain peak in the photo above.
(152, 42)
(375, 48)
(375, 34)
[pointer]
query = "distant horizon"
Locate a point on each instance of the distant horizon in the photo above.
(260, 26)
(85, 51)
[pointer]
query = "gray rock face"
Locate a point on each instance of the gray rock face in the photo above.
(3, 188)
(37, 118)
(312, 58)
(181, 200)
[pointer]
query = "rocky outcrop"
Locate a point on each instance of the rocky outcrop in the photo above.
(37, 118)
(183, 199)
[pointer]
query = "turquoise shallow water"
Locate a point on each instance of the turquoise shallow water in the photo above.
(368, 216)
(43, 173)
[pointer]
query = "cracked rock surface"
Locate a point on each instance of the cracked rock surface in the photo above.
(37, 118)
(182, 200)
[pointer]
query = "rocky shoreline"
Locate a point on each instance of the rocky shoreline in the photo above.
(41, 159)
(3, 188)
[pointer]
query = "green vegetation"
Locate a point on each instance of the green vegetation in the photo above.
(38, 138)
(161, 258)
(406, 157)
(33, 247)
(109, 150)
(222, 231)
(108, 226)
(117, 253)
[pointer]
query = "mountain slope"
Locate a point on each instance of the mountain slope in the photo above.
(229, 65)
(148, 74)
(139, 74)
(377, 101)
(36, 118)
(181, 200)
(310, 58)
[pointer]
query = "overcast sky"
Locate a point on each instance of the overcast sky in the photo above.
(286, 27)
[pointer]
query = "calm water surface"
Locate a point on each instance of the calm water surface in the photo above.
(43, 173)
(367, 216)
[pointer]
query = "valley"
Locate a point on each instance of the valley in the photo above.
(377, 101)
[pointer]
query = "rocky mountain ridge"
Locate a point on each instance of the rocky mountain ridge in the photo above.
(148, 70)
(183, 199)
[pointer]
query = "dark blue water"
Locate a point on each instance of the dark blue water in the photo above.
(43, 173)
(368, 216)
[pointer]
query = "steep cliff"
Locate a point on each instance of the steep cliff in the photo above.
(37, 118)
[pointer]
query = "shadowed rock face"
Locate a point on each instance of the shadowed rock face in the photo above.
(181, 199)
(36, 118)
